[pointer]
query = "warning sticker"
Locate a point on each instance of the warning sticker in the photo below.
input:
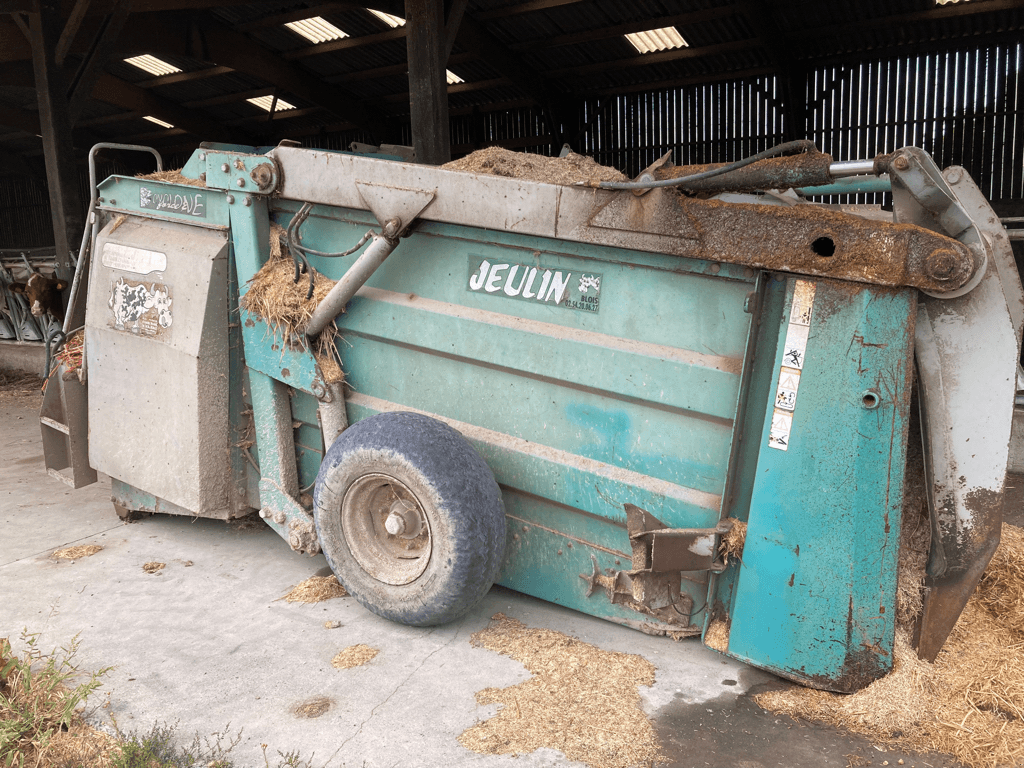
(130, 259)
(794, 353)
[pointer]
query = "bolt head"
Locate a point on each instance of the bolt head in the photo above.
(954, 176)
(941, 264)
(229, 198)
(900, 163)
(240, 182)
(225, 167)
(395, 524)
(279, 518)
(202, 155)
(247, 202)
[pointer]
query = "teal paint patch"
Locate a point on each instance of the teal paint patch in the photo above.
(173, 201)
(572, 289)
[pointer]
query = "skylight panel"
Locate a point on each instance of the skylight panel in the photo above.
(264, 103)
(387, 18)
(157, 120)
(152, 65)
(453, 78)
(316, 29)
(652, 40)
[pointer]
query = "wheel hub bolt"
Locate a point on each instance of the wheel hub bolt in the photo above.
(402, 520)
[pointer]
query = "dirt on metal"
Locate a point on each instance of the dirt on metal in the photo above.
(315, 589)
(571, 169)
(76, 553)
(354, 656)
(581, 700)
(275, 296)
(805, 169)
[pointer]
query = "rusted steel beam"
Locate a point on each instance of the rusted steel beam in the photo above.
(811, 240)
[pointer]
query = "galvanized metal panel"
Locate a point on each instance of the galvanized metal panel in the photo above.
(158, 394)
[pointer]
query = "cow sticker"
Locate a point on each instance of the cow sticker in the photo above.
(141, 308)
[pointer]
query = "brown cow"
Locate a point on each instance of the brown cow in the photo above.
(43, 294)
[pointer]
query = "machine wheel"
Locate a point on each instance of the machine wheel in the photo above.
(410, 518)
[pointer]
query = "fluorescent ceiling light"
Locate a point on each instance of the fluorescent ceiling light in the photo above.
(316, 30)
(453, 78)
(657, 40)
(152, 64)
(387, 18)
(264, 102)
(157, 120)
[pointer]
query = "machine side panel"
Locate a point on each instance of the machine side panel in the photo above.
(157, 340)
(814, 598)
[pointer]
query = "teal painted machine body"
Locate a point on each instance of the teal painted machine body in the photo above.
(591, 377)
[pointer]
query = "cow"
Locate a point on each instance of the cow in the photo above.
(129, 303)
(162, 301)
(43, 295)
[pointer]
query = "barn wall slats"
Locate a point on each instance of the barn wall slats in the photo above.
(963, 107)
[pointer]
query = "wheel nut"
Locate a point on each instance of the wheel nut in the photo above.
(941, 264)
(395, 524)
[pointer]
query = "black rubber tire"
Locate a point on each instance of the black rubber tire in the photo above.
(456, 492)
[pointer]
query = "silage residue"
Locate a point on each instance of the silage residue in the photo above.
(275, 296)
(581, 700)
(733, 541)
(75, 553)
(969, 703)
(571, 169)
(315, 589)
(354, 656)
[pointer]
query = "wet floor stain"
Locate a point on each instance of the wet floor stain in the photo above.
(732, 731)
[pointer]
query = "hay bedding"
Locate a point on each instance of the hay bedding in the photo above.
(171, 176)
(354, 656)
(581, 700)
(572, 169)
(74, 553)
(315, 589)
(274, 296)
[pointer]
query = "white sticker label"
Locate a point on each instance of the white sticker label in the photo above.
(793, 354)
(796, 346)
(140, 309)
(782, 425)
(789, 383)
(129, 259)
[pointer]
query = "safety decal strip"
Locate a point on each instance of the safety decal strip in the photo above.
(792, 365)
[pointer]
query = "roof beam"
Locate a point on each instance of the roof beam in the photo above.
(208, 40)
(184, 77)
(576, 38)
(642, 60)
(345, 44)
(528, 7)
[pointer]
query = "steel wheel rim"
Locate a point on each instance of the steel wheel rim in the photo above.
(371, 503)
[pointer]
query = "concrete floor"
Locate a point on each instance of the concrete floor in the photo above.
(209, 645)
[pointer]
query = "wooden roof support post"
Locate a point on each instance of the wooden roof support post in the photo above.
(428, 84)
(66, 206)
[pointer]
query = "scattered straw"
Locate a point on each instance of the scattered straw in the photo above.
(71, 353)
(571, 169)
(354, 656)
(118, 221)
(315, 589)
(581, 700)
(732, 542)
(153, 567)
(172, 177)
(74, 553)
(717, 637)
(969, 703)
(275, 296)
